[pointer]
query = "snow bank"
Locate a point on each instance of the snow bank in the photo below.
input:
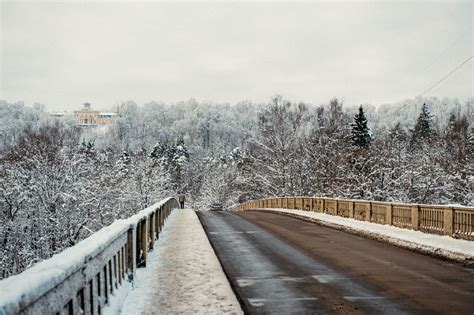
(438, 245)
(183, 274)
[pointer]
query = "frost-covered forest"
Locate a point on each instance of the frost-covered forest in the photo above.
(60, 183)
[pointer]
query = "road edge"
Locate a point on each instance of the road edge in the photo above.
(232, 286)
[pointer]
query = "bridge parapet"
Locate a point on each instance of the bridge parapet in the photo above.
(452, 220)
(81, 279)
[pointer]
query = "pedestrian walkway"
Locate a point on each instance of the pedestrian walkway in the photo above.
(183, 274)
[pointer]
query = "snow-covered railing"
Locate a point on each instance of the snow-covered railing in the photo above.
(80, 279)
(455, 221)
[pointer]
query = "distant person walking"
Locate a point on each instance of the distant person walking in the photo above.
(181, 199)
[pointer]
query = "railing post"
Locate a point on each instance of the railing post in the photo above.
(131, 253)
(94, 286)
(448, 226)
(162, 211)
(388, 214)
(87, 293)
(102, 289)
(351, 209)
(415, 217)
(111, 286)
(77, 302)
(368, 211)
(152, 230)
(120, 265)
(157, 223)
(144, 240)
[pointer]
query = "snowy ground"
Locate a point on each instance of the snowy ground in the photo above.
(443, 246)
(183, 275)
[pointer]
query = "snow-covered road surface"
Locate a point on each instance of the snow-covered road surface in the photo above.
(183, 274)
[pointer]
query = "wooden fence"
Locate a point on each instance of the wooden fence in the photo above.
(81, 279)
(454, 221)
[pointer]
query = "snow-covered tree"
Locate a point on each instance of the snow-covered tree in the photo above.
(423, 130)
(360, 131)
(58, 183)
(276, 148)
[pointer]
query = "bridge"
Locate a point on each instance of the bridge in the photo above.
(279, 255)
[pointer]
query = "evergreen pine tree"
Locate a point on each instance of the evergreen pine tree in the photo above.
(178, 159)
(160, 151)
(423, 129)
(360, 131)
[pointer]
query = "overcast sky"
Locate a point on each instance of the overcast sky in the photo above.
(64, 54)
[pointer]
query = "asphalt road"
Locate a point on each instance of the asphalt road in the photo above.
(278, 264)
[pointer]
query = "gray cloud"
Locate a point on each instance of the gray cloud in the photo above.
(63, 54)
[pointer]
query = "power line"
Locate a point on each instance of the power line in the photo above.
(438, 57)
(446, 76)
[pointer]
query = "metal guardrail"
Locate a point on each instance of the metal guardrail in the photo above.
(81, 279)
(454, 221)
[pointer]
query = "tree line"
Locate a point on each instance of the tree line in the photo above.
(60, 183)
(339, 156)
